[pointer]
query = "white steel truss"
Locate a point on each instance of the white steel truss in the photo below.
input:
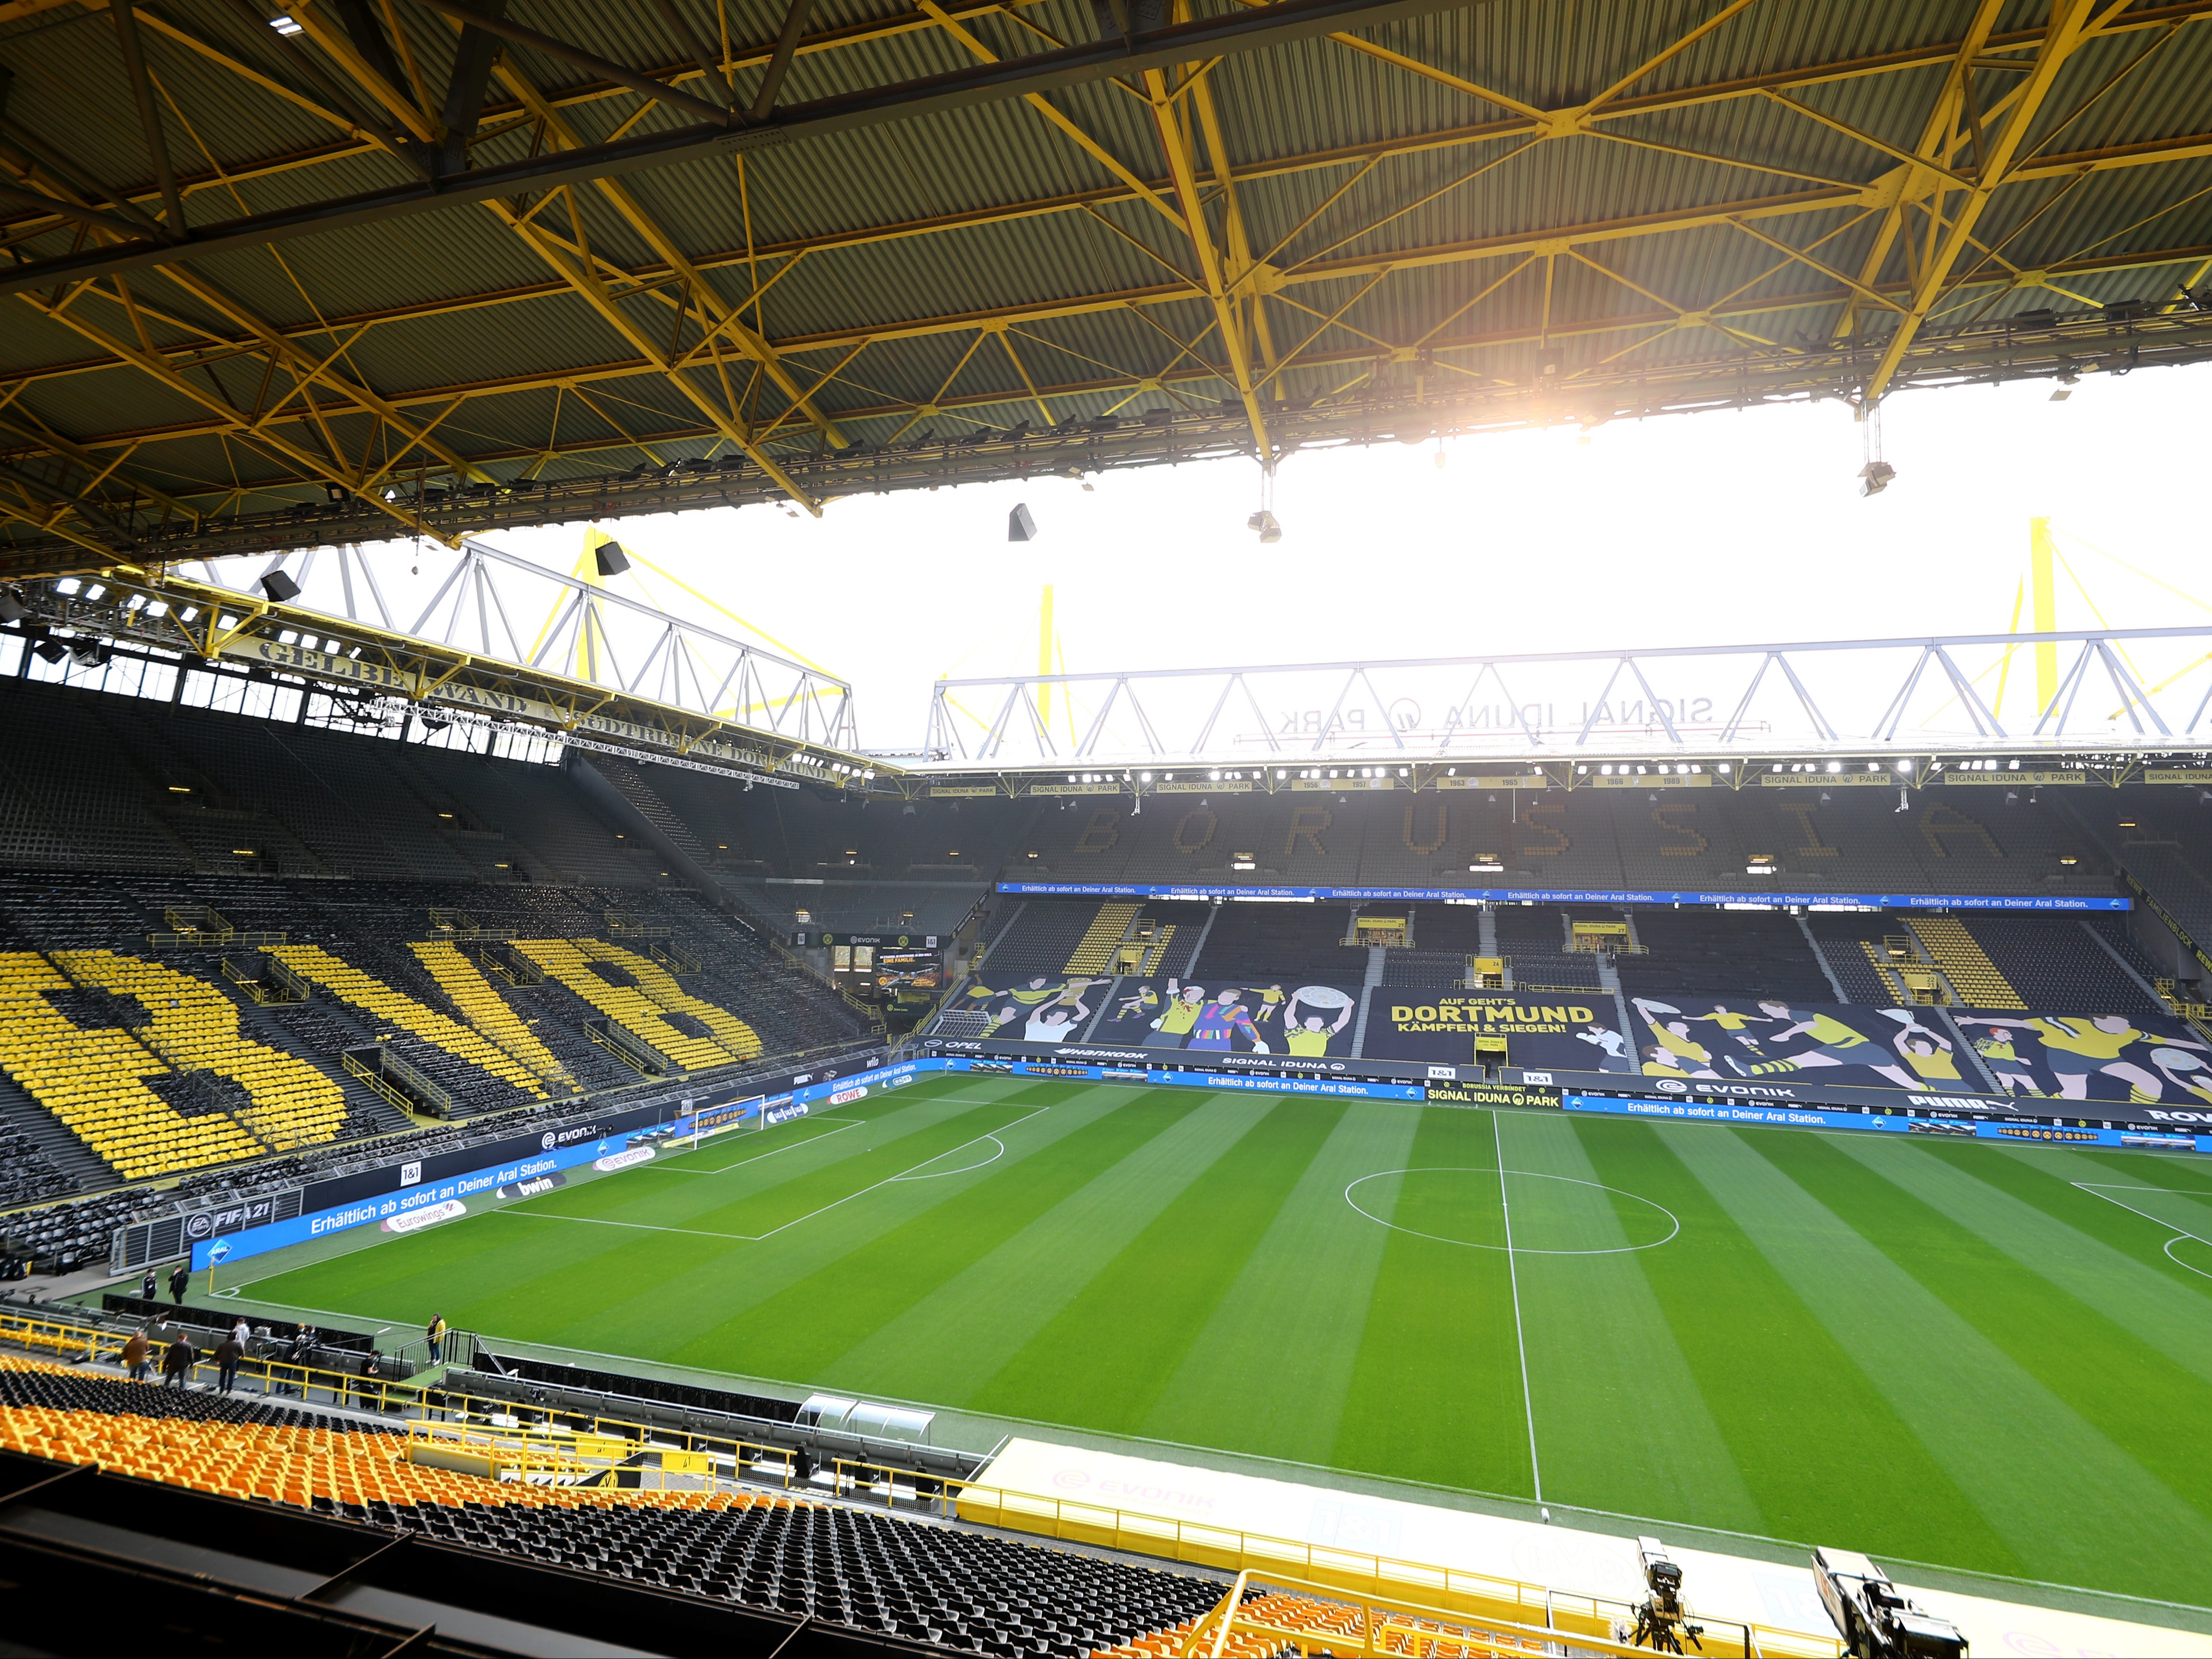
(2116, 688)
(502, 609)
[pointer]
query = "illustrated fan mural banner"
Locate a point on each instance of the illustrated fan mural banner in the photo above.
(2148, 1059)
(1734, 1037)
(1243, 1016)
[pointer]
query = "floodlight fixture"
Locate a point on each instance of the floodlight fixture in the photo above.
(1875, 477)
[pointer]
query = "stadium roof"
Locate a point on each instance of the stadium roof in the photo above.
(376, 268)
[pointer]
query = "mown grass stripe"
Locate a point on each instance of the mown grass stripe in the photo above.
(804, 1329)
(620, 1290)
(1435, 1394)
(1802, 1422)
(1967, 1346)
(2153, 1309)
(959, 1333)
(1104, 1360)
(1298, 1308)
(1618, 1405)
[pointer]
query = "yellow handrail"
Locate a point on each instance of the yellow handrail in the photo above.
(1443, 1592)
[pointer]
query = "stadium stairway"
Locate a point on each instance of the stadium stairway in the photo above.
(626, 785)
(1963, 962)
(1094, 951)
(70, 1165)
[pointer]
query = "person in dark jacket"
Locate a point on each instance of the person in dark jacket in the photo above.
(228, 1353)
(149, 1290)
(177, 1364)
(180, 1280)
(137, 1356)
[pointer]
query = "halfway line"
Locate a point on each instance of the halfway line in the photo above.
(1513, 1273)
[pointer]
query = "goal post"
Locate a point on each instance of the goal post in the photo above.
(732, 1117)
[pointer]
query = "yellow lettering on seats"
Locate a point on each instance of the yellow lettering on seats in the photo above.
(1435, 841)
(195, 1028)
(1664, 816)
(348, 983)
(1195, 828)
(1102, 832)
(1813, 847)
(640, 1008)
(1939, 821)
(1306, 825)
(460, 979)
(90, 1080)
(1532, 820)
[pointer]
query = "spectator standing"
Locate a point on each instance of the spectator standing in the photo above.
(180, 1280)
(296, 1353)
(177, 1364)
(435, 1331)
(228, 1353)
(149, 1290)
(137, 1355)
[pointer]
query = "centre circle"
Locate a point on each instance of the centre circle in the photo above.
(1475, 1208)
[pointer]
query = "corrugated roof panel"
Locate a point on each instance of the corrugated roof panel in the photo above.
(981, 166)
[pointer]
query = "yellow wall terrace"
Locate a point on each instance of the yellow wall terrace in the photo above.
(659, 985)
(90, 1080)
(195, 1027)
(473, 993)
(569, 961)
(314, 964)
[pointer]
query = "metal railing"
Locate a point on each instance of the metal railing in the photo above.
(525, 1442)
(1369, 1624)
(633, 1051)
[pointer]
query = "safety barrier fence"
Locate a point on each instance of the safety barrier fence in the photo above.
(1315, 1615)
(501, 1439)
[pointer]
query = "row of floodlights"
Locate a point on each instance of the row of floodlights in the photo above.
(1664, 768)
(1216, 775)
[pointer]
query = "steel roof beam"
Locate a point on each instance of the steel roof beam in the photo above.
(1272, 25)
(1955, 109)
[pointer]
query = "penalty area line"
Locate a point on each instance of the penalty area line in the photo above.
(842, 1123)
(757, 1238)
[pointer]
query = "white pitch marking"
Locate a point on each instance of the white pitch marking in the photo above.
(756, 1238)
(1513, 1273)
(842, 1123)
(2105, 1189)
(963, 1169)
(2176, 1260)
(1523, 1250)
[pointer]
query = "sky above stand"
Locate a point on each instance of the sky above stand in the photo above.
(1681, 529)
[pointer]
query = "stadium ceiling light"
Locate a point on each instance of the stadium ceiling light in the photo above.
(1722, 769)
(285, 24)
(1835, 766)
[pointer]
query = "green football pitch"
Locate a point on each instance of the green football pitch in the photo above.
(1980, 1356)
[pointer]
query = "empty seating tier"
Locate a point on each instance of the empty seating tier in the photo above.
(958, 1588)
